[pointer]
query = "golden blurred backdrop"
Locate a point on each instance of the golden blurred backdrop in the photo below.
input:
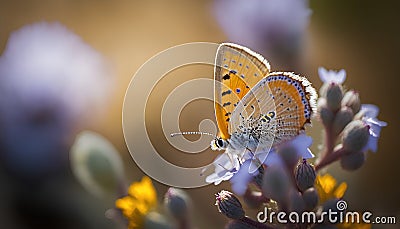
(359, 36)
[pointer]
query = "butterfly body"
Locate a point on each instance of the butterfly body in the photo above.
(256, 109)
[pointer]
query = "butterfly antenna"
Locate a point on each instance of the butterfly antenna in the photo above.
(191, 133)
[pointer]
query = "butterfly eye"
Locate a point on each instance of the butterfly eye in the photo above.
(220, 143)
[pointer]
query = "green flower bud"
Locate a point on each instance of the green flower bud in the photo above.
(325, 113)
(351, 99)
(276, 184)
(352, 161)
(154, 220)
(305, 176)
(310, 197)
(296, 202)
(334, 95)
(178, 203)
(355, 136)
(96, 164)
(343, 117)
(229, 205)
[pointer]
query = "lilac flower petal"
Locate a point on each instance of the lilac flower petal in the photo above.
(372, 144)
(323, 74)
(330, 76)
(341, 76)
(242, 178)
(375, 126)
(225, 167)
(307, 154)
(273, 159)
(370, 110)
(301, 141)
(301, 144)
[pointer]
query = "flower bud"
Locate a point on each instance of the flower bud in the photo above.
(355, 136)
(276, 184)
(351, 99)
(334, 95)
(229, 205)
(97, 164)
(325, 113)
(343, 117)
(352, 161)
(296, 202)
(154, 220)
(310, 197)
(305, 176)
(178, 203)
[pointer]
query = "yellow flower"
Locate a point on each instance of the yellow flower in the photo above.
(142, 198)
(327, 188)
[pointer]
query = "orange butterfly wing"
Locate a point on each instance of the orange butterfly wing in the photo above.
(295, 102)
(237, 70)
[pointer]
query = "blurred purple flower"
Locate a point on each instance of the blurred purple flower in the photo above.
(273, 27)
(301, 144)
(242, 177)
(330, 76)
(51, 83)
(370, 112)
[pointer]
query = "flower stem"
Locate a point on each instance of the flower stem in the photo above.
(329, 155)
(330, 158)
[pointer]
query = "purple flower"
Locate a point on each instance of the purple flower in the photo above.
(51, 82)
(301, 144)
(330, 76)
(273, 27)
(370, 112)
(226, 165)
(243, 177)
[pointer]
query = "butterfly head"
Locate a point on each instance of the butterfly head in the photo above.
(219, 144)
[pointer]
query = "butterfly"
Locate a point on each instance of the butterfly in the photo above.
(255, 109)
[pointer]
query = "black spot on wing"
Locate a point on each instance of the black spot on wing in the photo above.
(226, 92)
(226, 104)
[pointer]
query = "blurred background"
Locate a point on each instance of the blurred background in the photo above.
(114, 38)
